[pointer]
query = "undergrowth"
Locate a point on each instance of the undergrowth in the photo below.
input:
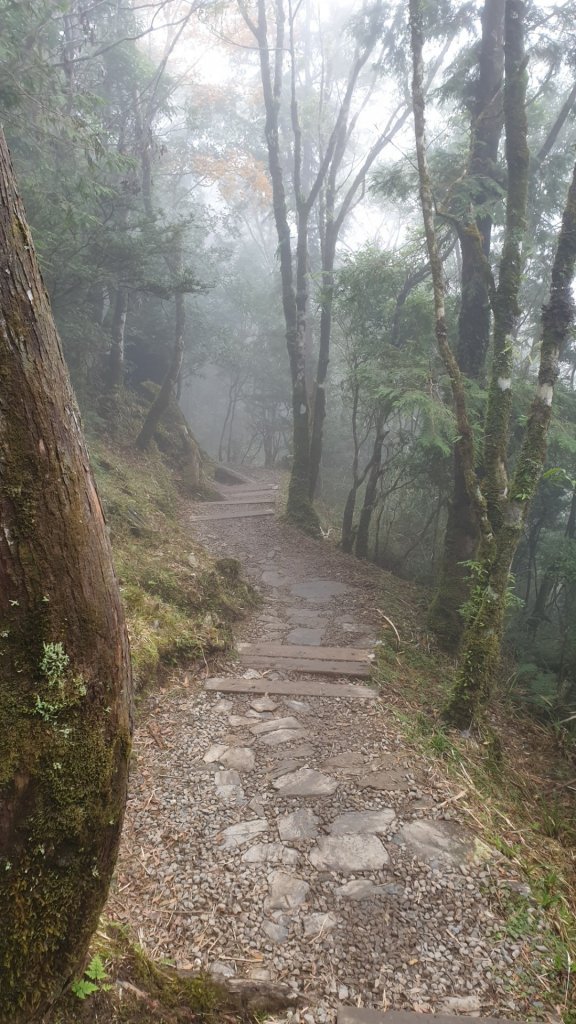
(516, 786)
(179, 602)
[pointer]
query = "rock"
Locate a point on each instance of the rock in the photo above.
(277, 931)
(251, 673)
(305, 782)
(388, 781)
(273, 724)
(365, 888)
(214, 753)
(271, 853)
(263, 703)
(222, 970)
(239, 758)
(363, 821)
(286, 892)
(275, 739)
(343, 993)
(300, 824)
(461, 1004)
(439, 842)
(238, 721)
(223, 707)
(319, 590)
(259, 974)
(243, 832)
(318, 924)
(349, 759)
(297, 705)
(349, 853)
(228, 787)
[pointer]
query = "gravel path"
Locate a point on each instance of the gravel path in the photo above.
(296, 839)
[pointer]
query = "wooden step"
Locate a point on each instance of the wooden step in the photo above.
(234, 513)
(227, 475)
(331, 661)
(360, 1015)
(289, 687)
(241, 499)
(308, 651)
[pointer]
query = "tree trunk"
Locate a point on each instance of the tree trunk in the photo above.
(162, 400)
(462, 532)
(118, 330)
(363, 531)
(65, 682)
(483, 635)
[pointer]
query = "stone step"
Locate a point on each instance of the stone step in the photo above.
(233, 513)
(359, 1015)
(290, 687)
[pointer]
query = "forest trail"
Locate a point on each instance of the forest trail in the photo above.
(278, 827)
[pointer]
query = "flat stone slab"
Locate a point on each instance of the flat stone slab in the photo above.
(214, 753)
(389, 780)
(232, 513)
(442, 842)
(316, 925)
(286, 892)
(362, 889)
(279, 736)
(319, 590)
(271, 853)
(300, 824)
(277, 931)
(358, 822)
(273, 724)
(305, 782)
(241, 759)
(298, 705)
(297, 687)
(306, 617)
(358, 1015)
(238, 721)
(309, 636)
(229, 787)
(349, 853)
(243, 832)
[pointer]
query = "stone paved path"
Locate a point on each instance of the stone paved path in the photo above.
(292, 837)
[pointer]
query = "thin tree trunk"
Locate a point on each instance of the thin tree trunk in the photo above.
(363, 531)
(65, 682)
(162, 400)
(118, 331)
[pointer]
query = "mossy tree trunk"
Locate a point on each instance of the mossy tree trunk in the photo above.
(65, 682)
(462, 533)
(483, 634)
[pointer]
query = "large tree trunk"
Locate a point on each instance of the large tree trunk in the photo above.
(65, 683)
(462, 532)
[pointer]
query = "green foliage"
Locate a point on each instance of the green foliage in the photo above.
(93, 980)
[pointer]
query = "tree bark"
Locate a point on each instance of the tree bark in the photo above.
(65, 682)
(363, 531)
(117, 331)
(462, 533)
(162, 400)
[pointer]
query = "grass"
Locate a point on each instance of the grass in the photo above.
(517, 788)
(179, 602)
